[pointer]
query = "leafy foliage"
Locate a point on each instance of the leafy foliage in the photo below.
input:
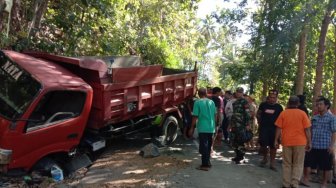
(161, 32)
(270, 59)
(168, 32)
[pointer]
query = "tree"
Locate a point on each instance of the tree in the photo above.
(40, 6)
(299, 84)
(334, 80)
(329, 14)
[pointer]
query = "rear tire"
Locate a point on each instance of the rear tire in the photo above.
(169, 130)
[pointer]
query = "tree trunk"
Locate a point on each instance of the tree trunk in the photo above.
(299, 85)
(251, 87)
(264, 90)
(2, 8)
(320, 54)
(16, 22)
(334, 99)
(40, 6)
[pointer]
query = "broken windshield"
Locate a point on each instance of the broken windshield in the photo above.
(17, 88)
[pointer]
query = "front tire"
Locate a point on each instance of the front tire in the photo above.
(43, 167)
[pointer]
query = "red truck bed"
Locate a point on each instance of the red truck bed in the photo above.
(127, 92)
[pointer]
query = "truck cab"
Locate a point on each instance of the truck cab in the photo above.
(39, 115)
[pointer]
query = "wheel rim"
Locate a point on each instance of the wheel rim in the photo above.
(171, 132)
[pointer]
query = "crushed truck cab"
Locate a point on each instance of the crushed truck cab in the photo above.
(44, 108)
(50, 104)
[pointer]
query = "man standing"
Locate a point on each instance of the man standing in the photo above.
(225, 124)
(229, 109)
(267, 114)
(204, 116)
(253, 119)
(218, 100)
(293, 125)
(323, 142)
(240, 122)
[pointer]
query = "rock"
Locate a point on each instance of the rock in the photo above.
(150, 150)
(171, 151)
(80, 173)
(262, 182)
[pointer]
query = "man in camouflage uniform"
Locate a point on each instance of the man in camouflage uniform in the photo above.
(240, 122)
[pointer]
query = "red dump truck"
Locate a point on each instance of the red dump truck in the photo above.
(53, 106)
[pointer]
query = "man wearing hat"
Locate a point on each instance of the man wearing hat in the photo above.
(240, 122)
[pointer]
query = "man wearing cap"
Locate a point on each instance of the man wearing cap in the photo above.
(294, 127)
(267, 114)
(240, 122)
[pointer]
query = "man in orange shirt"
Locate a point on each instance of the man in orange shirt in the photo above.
(294, 127)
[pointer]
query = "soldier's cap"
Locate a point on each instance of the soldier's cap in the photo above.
(240, 90)
(273, 91)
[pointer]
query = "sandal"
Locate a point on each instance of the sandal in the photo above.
(304, 184)
(273, 168)
(204, 168)
(263, 164)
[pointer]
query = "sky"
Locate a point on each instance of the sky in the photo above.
(206, 7)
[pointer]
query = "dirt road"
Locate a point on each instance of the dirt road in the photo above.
(121, 166)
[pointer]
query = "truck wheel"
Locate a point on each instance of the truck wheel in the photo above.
(43, 167)
(169, 129)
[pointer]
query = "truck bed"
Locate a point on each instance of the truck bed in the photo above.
(123, 93)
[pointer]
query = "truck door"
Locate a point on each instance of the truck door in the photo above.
(54, 125)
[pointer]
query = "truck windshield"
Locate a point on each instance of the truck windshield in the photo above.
(17, 88)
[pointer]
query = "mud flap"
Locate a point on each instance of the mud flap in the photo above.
(77, 163)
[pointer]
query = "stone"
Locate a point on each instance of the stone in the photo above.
(150, 150)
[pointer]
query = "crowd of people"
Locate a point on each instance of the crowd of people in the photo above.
(308, 143)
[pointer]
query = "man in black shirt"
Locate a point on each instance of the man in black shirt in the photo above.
(267, 114)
